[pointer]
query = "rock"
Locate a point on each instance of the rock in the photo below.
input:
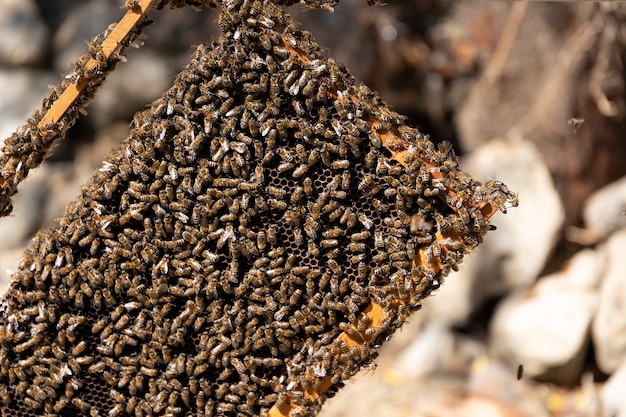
(83, 22)
(612, 396)
(476, 405)
(456, 299)
(494, 379)
(609, 325)
(27, 214)
(513, 255)
(546, 330)
(22, 91)
(527, 234)
(9, 260)
(24, 36)
(603, 212)
(64, 185)
(133, 85)
(89, 156)
(429, 352)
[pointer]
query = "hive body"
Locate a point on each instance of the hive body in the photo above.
(250, 217)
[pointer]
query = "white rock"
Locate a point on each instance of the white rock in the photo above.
(514, 255)
(527, 234)
(429, 351)
(609, 325)
(27, 213)
(453, 303)
(9, 260)
(24, 36)
(82, 22)
(22, 91)
(612, 394)
(603, 211)
(547, 330)
(132, 86)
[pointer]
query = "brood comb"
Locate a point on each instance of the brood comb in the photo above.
(250, 245)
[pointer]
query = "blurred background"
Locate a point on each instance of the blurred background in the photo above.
(533, 323)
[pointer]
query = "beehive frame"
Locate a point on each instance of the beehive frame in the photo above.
(360, 123)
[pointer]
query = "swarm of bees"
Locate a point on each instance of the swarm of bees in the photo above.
(265, 226)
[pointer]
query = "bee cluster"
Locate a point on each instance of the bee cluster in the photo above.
(212, 263)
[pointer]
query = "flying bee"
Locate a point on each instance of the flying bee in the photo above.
(576, 123)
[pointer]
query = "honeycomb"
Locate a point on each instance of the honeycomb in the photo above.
(227, 255)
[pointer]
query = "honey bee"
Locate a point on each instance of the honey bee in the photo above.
(395, 144)
(329, 243)
(365, 221)
(333, 233)
(81, 405)
(298, 237)
(338, 194)
(336, 214)
(436, 249)
(79, 348)
(285, 166)
(356, 247)
(340, 164)
(334, 266)
(313, 250)
(576, 123)
(359, 237)
(300, 170)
